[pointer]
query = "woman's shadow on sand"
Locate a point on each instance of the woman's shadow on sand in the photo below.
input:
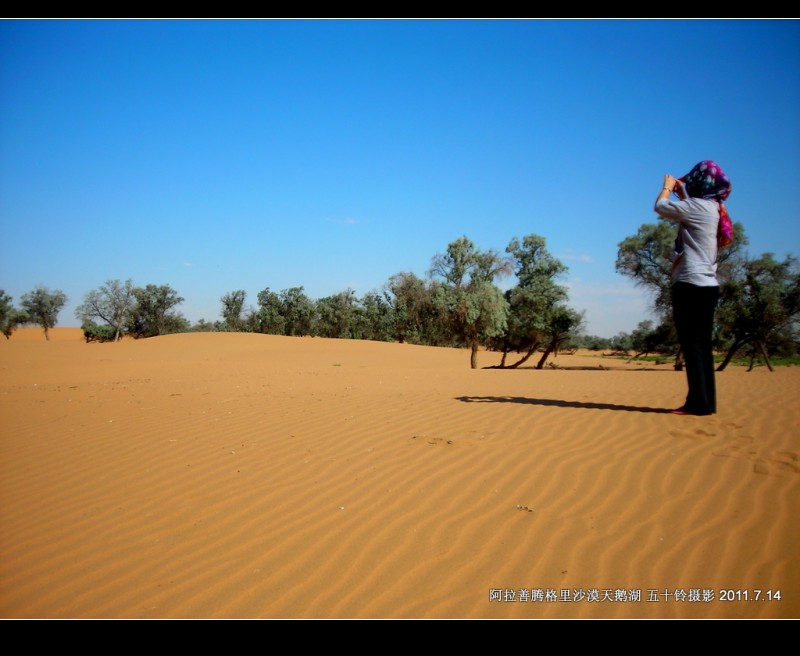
(560, 403)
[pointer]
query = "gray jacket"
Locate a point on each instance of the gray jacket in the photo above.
(694, 259)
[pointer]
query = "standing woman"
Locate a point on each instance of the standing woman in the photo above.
(695, 289)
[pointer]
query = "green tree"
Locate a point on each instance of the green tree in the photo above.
(93, 332)
(593, 342)
(415, 317)
(538, 317)
(42, 307)
(10, 317)
(269, 317)
(6, 309)
(374, 319)
(203, 326)
(564, 323)
(112, 303)
(646, 339)
(645, 258)
(298, 311)
(232, 308)
(760, 308)
(153, 312)
(335, 315)
(475, 307)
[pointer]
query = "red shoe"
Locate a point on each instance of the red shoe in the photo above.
(683, 412)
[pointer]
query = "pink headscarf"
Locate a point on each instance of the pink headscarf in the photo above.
(708, 180)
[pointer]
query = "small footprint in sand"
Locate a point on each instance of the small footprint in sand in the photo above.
(776, 465)
(736, 452)
(763, 463)
(463, 441)
(432, 440)
(696, 434)
(785, 461)
(744, 448)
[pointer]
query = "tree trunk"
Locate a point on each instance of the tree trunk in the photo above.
(729, 355)
(473, 360)
(525, 357)
(550, 348)
(764, 355)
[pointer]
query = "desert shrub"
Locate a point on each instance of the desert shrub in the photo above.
(95, 333)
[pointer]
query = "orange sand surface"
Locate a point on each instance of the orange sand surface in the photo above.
(254, 476)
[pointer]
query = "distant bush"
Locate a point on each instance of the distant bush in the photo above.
(94, 333)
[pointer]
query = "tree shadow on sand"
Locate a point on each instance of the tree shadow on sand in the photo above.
(559, 403)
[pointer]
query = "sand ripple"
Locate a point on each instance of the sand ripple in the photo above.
(248, 476)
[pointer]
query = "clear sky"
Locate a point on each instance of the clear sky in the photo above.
(217, 155)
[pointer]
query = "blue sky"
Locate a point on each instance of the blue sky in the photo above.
(213, 156)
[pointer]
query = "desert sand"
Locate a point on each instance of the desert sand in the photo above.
(243, 476)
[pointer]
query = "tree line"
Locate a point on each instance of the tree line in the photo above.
(122, 308)
(459, 304)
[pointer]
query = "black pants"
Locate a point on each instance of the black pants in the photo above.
(693, 310)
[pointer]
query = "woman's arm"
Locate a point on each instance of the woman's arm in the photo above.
(668, 188)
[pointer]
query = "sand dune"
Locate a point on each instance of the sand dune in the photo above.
(253, 476)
